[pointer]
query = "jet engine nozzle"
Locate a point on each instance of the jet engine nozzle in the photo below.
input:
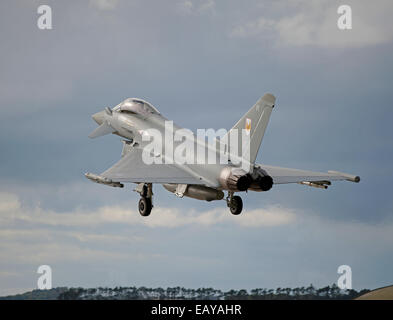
(261, 181)
(235, 179)
(243, 182)
(265, 183)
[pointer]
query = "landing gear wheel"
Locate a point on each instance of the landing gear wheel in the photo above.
(236, 205)
(145, 206)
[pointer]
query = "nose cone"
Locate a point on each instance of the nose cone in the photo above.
(99, 117)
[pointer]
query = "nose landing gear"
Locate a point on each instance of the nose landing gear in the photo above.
(234, 203)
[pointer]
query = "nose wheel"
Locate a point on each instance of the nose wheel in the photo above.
(234, 203)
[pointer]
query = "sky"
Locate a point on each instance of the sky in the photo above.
(203, 64)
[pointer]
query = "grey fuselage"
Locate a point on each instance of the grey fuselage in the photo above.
(133, 126)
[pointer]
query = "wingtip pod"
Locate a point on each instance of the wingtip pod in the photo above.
(100, 179)
(348, 177)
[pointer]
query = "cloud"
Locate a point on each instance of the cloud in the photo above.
(185, 7)
(208, 5)
(31, 236)
(104, 4)
(188, 7)
(86, 61)
(38, 253)
(314, 23)
(9, 202)
(11, 209)
(85, 246)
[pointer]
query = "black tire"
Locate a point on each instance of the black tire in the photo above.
(236, 205)
(145, 206)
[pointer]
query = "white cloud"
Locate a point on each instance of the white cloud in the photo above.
(185, 7)
(48, 235)
(196, 7)
(315, 23)
(31, 235)
(208, 5)
(9, 202)
(104, 4)
(38, 253)
(12, 209)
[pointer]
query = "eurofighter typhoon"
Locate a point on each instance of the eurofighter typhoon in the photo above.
(157, 151)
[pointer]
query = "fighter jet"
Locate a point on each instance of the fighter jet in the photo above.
(135, 119)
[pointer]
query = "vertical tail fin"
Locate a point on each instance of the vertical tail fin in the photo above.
(255, 122)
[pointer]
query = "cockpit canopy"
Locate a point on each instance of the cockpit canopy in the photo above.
(137, 106)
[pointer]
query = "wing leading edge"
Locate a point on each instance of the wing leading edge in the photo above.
(131, 168)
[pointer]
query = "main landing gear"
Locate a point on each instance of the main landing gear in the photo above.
(145, 205)
(234, 203)
(146, 202)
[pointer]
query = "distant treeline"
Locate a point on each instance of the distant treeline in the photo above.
(177, 293)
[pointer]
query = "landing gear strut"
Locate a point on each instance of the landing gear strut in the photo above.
(235, 203)
(145, 203)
